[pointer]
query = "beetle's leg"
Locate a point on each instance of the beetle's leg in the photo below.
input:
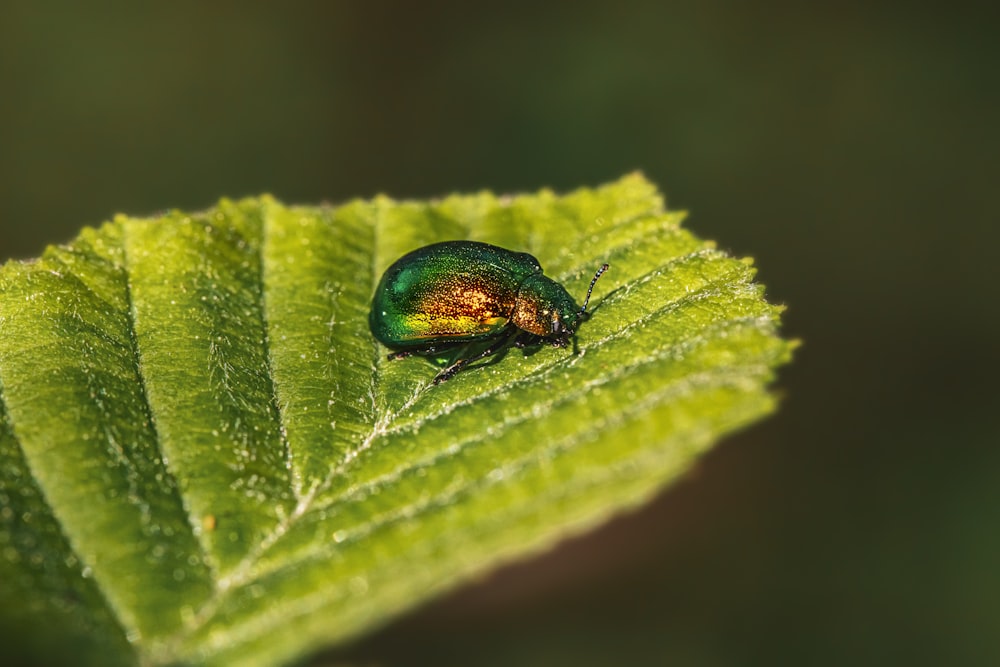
(449, 372)
(402, 354)
(525, 339)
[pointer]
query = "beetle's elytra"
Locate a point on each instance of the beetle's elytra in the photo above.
(457, 293)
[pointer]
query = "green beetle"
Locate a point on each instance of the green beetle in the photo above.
(457, 293)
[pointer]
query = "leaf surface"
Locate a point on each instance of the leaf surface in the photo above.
(206, 458)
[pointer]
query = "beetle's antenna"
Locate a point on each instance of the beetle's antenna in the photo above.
(600, 271)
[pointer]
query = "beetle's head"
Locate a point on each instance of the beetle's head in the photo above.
(546, 309)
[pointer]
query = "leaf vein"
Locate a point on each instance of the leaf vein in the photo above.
(136, 354)
(82, 563)
(278, 412)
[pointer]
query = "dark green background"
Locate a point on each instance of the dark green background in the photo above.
(852, 149)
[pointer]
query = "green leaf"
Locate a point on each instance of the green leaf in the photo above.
(205, 457)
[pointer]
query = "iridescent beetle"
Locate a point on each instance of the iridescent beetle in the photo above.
(452, 294)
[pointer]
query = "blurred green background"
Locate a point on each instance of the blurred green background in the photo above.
(852, 149)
